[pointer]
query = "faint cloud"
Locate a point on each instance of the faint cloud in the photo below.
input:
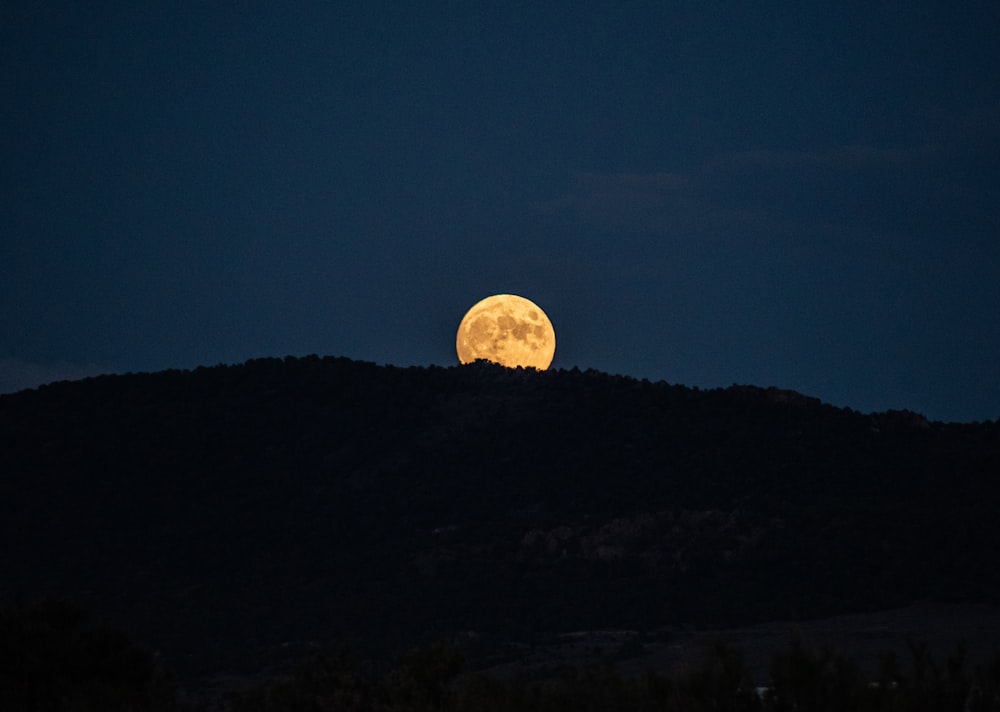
(651, 202)
(18, 375)
(643, 191)
(935, 188)
(666, 203)
(850, 157)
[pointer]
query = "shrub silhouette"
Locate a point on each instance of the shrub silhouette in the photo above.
(53, 657)
(720, 682)
(421, 681)
(318, 683)
(802, 678)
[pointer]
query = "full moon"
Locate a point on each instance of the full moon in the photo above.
(509, 330)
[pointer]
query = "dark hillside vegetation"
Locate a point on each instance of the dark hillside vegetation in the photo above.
(233, 516)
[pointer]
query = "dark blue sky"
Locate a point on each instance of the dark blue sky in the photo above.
(776, 193)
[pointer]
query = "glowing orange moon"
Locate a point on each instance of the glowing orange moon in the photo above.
(509, 330)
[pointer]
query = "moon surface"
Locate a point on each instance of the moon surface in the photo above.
(509, 330)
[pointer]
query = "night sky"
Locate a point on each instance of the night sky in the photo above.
(794, 194)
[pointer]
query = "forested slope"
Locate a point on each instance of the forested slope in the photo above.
(231, 515)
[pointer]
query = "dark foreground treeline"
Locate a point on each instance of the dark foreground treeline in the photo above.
(801, 678)
(54, 658)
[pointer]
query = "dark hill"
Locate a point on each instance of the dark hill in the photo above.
(230, 515)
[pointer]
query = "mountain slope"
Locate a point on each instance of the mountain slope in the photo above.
(230, 515)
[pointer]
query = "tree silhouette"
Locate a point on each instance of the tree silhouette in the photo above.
(53, 657)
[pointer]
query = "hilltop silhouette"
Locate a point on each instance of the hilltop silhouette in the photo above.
(233, 516)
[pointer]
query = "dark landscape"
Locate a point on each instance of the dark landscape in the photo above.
(236, 518)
